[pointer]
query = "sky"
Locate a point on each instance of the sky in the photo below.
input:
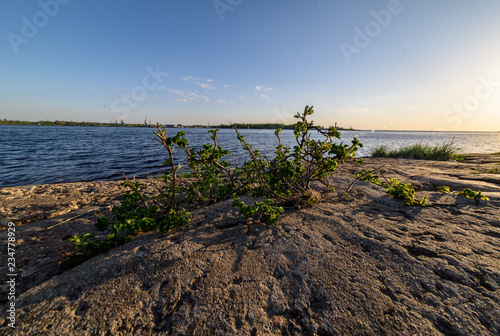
(394, 65)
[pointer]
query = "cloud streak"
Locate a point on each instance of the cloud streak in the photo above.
(203, 83)
(186, 96)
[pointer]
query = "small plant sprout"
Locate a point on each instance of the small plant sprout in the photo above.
(405, 192)
(444, 189)
(476, 195)
(493, 170)
(467, 192)
(395, 188)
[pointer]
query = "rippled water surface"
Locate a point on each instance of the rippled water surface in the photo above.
(51, 154)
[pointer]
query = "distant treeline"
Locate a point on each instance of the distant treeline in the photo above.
(256, 126)
(65, 123)
(87, 123)
(262, 126)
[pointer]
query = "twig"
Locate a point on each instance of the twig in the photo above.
(235, 190)
(381, 173)
(67, 220)
(350, 186)
(359, 178)
(257, 169)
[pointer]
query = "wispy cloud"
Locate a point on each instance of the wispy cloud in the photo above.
(203, 83)
(261, 88)
(205, 86)
(197, 89)
(164, 88)
(186, 96)
(188, 78)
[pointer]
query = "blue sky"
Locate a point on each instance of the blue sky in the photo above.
(415, 65)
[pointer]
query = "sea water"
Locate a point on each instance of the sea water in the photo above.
(53, 154)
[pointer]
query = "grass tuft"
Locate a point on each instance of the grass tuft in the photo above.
(493, 170)
(380, 151)
(419, 151)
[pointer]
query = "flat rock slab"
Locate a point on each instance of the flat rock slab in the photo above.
(356, 264)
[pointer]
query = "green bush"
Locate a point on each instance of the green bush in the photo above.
(289, 175)
(287, 178)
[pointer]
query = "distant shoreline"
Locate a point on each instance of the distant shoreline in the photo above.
(240, 126)
(96, 124)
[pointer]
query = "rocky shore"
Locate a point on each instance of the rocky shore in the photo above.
(356, 264)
